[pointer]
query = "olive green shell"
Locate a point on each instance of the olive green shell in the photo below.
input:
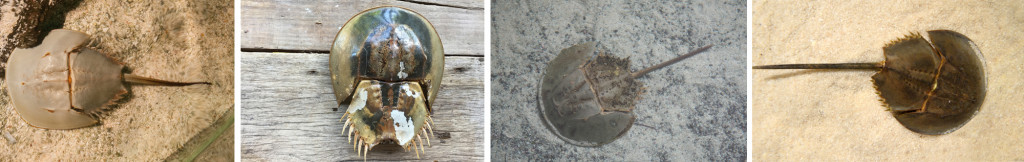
(587, 100)
(388, 44)
(932, 88)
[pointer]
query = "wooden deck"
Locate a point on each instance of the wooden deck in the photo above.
(288, 109)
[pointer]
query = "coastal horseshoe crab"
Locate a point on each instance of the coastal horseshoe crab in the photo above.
(931, 88)
(61, 84)
(588, 100)
(387, 63)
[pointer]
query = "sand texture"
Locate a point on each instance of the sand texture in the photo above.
(835, 115)
(173, 40)
(690, 111)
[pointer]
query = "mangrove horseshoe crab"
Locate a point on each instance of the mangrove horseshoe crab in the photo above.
(386, 62)
(61, 84)
(587, 100)
(930, 88)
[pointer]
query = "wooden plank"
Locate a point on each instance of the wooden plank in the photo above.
(288, 113)
(312, 25)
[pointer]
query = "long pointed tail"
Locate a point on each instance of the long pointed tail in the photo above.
(669, 62)
(823, 66)
(135, 79)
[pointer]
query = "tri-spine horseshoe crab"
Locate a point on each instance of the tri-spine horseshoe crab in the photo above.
(931, 88)
(588, 100)
(61, 84)
(387, 63)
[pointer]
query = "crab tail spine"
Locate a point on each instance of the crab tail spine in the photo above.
(350, 135)
(428, 136)
(421, 147)
(414, 149)
(130, 78)
(420, 139)
(430, 121)
(669, 62)
(344, 126)
(872, 66)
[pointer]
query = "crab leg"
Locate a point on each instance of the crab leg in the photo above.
(356, 145)
(352, 134)
(365, 152)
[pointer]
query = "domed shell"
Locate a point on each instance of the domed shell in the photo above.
(932, 88)
(389, 44)
(59, 84)
(581, 103)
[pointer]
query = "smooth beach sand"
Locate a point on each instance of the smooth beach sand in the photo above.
(173, 40)
(816, 115)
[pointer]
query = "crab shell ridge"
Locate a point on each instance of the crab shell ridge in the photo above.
(579, 104)
(387, 64)
(59, 84)
(932, 88)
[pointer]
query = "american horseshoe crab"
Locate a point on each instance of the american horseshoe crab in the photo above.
(61, 84)
(587, 100)
(931, 88)
(386, 63)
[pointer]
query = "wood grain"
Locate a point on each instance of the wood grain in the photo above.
(288, 111)
(312, 25)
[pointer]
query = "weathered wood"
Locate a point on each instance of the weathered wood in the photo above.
(288, 111)
(312, 25)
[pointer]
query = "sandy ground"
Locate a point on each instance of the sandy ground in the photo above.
(804, 115)
(174, 40)
(692, 111)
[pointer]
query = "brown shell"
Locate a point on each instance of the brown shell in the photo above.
(932, 88)
(387, 64)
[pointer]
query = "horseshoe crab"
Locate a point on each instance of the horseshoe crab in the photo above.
(931, 88)
(587, 100)
(386, 63)
(61, 84)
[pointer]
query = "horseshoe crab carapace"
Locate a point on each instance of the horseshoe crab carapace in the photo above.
(932, 87)
(587, 100)
(61, 84)
(387, 63)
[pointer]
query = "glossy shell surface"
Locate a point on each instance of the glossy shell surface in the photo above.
(419, 55)
(59, 84)
(932, 88)
(387, 64)
(587, 100)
